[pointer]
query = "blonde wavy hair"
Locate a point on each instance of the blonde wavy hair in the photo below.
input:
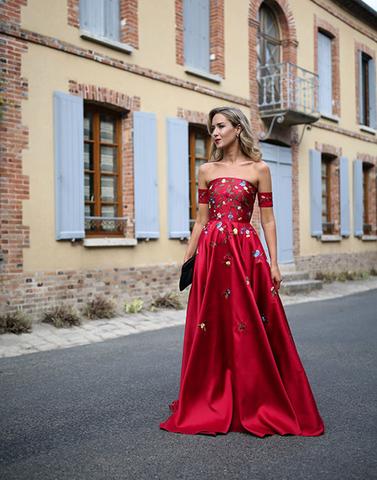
(246, 141)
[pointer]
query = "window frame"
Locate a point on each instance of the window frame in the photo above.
(96, 111)
(328, 226)
(194, 129)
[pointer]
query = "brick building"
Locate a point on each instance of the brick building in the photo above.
(104, 106)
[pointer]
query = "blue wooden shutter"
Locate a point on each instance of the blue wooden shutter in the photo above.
(325, 73)
(178, 178)
(92, 14)
(315, 193)
(358, 206)
(196, 33)
(361, 89)
(69, 166)
(344, 197)
(112, 20)
(372, 92)
(145, 175)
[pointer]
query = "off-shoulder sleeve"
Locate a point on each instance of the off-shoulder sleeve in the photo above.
(203, 195)
(265, 199)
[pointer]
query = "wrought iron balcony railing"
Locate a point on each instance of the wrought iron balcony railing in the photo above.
(289, 90)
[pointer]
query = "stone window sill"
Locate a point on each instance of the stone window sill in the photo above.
(110, 242)
(371, 130)
(202, 74)
(122, 47)
(368, 238)
(330, 238)
(332, 118)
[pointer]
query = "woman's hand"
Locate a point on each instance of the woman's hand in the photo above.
(276, 276)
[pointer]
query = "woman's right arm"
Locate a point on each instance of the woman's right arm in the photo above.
(201, 218)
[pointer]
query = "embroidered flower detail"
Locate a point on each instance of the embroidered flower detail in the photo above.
(223, 180)
(273, 291)
(202, 326)
(242, 326)
(212, 244)
(264, 319)
(235, 231)
(227, 293)
(247, 280)
(227, 260)
(219, 215)
(256, 253)
(239, 207)
(242, 183)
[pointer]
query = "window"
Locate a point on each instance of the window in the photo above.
(196, 40)
(269, 53)
(367, 91)
(367, 186)
(101, 18)
(102, 171)
(199, 146)
(327, 203)
(325, 67)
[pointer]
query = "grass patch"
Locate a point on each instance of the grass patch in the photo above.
(62, 316)
(169, 300)
(100, 307)
(16, 322)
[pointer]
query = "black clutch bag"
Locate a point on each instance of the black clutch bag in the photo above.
(187, 273)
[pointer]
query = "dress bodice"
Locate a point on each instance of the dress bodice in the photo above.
(232, 199)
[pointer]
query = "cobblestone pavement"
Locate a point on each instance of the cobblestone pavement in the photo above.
(47, 337)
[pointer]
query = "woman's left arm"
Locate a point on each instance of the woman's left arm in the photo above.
(268, 219)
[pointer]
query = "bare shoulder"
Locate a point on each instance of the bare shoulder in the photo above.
(264, 176)
(204, 174)
(205, 170)
(262, 167)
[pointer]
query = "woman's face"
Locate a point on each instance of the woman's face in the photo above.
(223, 132)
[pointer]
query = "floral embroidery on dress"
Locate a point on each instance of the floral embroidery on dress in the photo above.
(247, 280)
(256, 253)
(227, 293)
(212, 244)
(265, 199)
(227, 260)
(264, 319)
(203, 195)
(242, 326)
(202, 326)
(273, 291)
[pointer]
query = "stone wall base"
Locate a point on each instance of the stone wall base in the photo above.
(35, 292)
(334, 263)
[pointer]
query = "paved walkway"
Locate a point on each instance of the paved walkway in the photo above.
(47, 337)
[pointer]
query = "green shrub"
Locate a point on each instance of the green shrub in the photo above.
(62, 316)
(134, 306)
(100, 307)
(15, 322)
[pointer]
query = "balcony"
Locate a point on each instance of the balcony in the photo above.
(288, 93)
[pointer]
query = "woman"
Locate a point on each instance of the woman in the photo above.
(240, 370)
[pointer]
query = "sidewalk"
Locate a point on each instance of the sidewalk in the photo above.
(47, 337)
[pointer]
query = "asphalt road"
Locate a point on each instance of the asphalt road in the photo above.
(93, 412)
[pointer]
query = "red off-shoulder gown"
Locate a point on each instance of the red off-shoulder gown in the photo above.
(241, 371)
